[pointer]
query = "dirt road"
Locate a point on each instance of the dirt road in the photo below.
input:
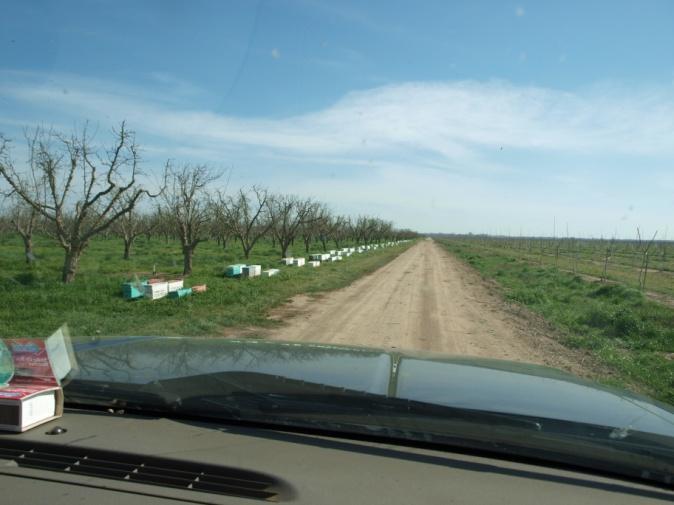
(425, 299)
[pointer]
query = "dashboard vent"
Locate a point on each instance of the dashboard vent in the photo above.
(146, 470)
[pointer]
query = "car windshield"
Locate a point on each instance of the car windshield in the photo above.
(442, 222)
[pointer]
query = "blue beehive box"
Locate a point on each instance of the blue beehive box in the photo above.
(234, 270)
(132, 290)
(180, 293)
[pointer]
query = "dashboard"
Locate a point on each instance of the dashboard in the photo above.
(108, 458)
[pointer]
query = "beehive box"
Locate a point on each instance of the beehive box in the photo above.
(332, 252)
(315, 257)
(175, 285)
(270, 273)
(234, 270)
(314, 264)
(287, 261)
(298, 262)
(251, 271)
(325, 257)
(156, 290)
(132, 290)
(180, 293)
(199, 288)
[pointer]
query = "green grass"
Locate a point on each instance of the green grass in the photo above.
(622, 267)
(34, 302)
(627, 332)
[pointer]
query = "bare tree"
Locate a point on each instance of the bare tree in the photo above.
(310, 229)
(221, 229)
(24, 219)
(186, 200)
(360, 229)
(610, 249)
(338, 230)
(130, 226)
(246, 214)
(644, 248)
(75, 186)
(287, 214)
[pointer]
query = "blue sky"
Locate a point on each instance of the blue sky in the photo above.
(499, 117)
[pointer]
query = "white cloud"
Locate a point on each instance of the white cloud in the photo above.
(479, 131)
(276, 53)
(519, 11)
(452, 120)
(448, 122)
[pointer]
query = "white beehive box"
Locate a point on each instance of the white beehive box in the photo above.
(325, 257)
(287, 261)
(271, 272)
(332, 252)
(352, 249)
(156, 290)
(175, 285)
(251, 270)
(298, 262)
(314, 264)
(348, 254)
(337, 258)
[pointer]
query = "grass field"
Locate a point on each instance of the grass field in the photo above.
(35, 302)
(587, 257)
(627, 332)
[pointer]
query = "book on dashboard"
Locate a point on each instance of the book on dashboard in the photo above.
(25, 404)
(34, 395)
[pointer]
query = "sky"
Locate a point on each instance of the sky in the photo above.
(535, 118)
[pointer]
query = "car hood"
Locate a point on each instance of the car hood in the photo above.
(461, 382)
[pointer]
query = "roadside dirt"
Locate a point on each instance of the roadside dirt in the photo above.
(425, 299)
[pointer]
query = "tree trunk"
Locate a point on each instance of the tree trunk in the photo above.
(70, 264)
(28, 247)
(188, 253)
(284, 249)
(128, 242)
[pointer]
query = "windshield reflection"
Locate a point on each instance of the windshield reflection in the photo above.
(164, 358)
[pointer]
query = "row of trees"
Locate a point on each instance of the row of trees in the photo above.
(73, 191)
